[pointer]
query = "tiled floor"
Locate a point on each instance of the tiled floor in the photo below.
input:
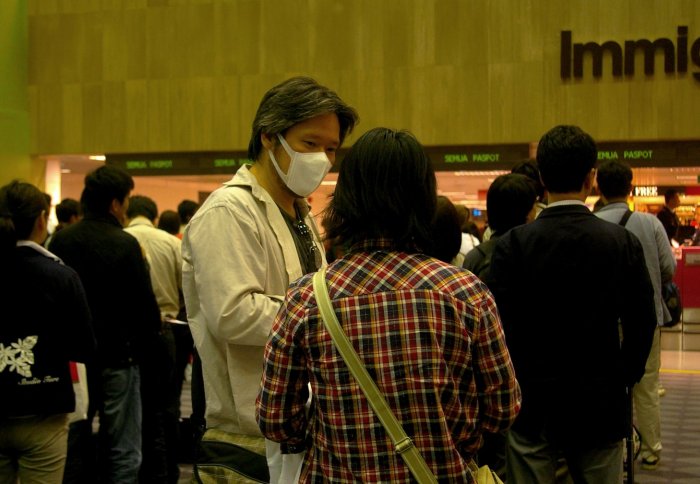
(680, 360)
(680, 422)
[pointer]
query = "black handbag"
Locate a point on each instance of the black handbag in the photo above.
(672, 299)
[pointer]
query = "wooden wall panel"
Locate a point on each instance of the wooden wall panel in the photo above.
(158, 113)
(136, 128)
(165, 75)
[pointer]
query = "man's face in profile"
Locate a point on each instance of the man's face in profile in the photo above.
(675, 202)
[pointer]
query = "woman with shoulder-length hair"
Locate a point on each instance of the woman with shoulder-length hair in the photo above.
(427, 332)
(45, 325)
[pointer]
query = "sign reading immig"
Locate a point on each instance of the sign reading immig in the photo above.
(622, 59)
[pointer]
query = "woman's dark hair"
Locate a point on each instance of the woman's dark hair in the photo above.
(169, 221)
(20, 204)
(103, 185)
(386, 189)
(530, 170)
(565, 157)
(509, 200)
(446, 231)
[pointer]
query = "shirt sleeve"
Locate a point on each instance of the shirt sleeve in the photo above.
(280, 406)
(638, 317)
(80, 337)
(225, 252)
(499, 392)
(667, 263)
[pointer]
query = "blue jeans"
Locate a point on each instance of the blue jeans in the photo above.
(120, 425)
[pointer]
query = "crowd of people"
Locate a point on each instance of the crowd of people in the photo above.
(520, 350)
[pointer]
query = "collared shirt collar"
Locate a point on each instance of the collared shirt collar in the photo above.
(245, 178)
(613, 206)
(39, 249)
(566, 202)
(140, 220)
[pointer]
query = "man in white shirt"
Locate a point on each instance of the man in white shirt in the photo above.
(615, 183)
(248, 241)
(161, 399)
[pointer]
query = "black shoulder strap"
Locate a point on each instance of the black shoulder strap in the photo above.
(625, 217)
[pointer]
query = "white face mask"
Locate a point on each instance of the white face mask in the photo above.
(305, 172)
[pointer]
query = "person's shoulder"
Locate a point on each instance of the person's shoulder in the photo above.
(453, 280)
(229, 197)
(67, 233)
(649, 218)
(47, 264)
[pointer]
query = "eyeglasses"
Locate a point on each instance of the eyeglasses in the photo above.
(303, 230)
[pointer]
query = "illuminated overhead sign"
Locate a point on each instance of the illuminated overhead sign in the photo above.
(444, 158)
(651, 153)
(648, 191)
(199, 163)
(477, 157)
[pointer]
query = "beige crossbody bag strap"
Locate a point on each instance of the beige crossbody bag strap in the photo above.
(402, 443)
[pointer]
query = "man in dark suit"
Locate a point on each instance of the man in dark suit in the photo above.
(565, 285)
(125, 316)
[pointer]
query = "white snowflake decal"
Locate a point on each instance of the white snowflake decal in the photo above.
(18, 356)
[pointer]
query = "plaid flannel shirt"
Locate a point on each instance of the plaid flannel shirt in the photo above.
(429, 335)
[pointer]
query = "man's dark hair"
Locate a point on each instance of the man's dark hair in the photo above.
(143, 206)
(386, 188)
(530, 170)
(103, 185)
(67, 209)
(508, 202)
(186, 210)
(169, 221)
(293, 101)
(614, 179)
(670, 194)
(565, 157)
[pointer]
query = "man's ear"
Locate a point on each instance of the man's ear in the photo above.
(115, 206)
(268, 141)
(42, 221)
(590, 180)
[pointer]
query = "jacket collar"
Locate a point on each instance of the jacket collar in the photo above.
(244, 178)
(106, 218)
(33, 245)
(554, 211)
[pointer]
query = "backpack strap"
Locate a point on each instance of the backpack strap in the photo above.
(625, 217)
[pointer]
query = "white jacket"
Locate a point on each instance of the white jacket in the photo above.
(238, 259)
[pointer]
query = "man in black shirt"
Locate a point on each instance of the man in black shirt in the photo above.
(125, 315)
(667, 215)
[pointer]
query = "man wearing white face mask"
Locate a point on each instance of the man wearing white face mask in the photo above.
(247, 243)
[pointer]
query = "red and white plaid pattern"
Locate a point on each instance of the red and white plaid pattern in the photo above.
(430, 336)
